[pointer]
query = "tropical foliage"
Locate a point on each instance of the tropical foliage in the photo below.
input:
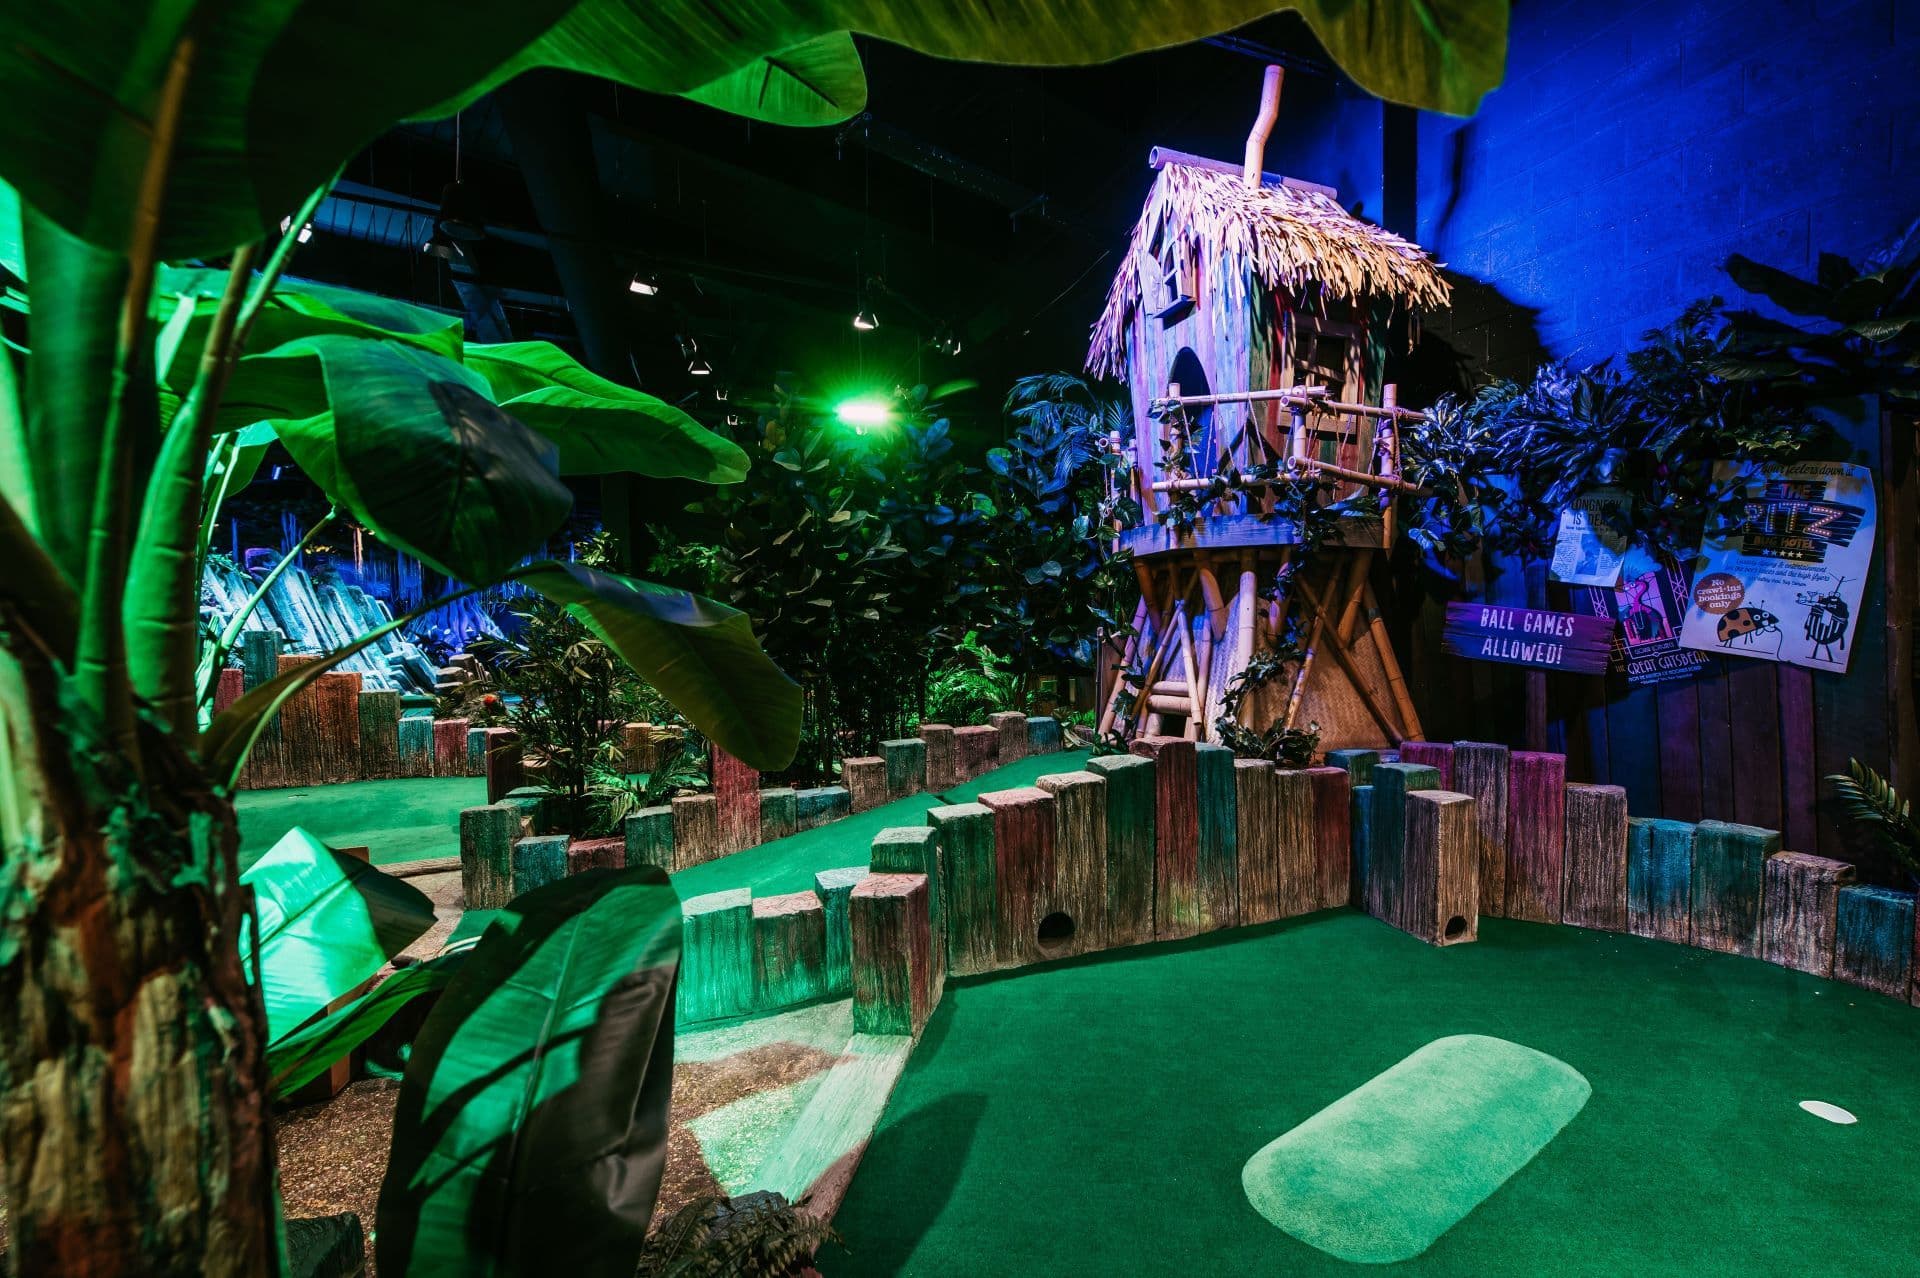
(758, 1236)
(1870, 802)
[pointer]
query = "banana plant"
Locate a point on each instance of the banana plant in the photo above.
(133, 1067)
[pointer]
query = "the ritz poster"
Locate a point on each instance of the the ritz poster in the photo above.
(1647, 607)
(1786, 583)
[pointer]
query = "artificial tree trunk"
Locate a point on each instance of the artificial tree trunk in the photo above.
(133, 1109)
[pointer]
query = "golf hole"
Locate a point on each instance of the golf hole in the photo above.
(1832, 1113)
(1456, 928)
(1054, 930)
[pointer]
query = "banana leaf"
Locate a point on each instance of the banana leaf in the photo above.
(816, 83)
(327, 922)
(302, 1056)
(531, 1129)
(602, 427)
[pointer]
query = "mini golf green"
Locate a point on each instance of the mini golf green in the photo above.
(1094, 1116)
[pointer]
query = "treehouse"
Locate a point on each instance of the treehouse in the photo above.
(1249, 320)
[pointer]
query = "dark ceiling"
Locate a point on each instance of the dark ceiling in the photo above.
(984, 204)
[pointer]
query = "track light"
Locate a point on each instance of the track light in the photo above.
(459, 214)
(643, 284)
(733, 419)
(696, 362)
(865, 320)
(440, 245)
(722, 392)
(306, 230)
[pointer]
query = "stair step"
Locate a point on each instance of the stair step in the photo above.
(1170, 688)
(1181, 705)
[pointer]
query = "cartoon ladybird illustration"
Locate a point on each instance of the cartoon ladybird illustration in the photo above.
(1746, 623)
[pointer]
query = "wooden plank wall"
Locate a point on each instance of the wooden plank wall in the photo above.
(1748, 741)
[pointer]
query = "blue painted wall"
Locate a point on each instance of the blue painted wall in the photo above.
(1634, 146)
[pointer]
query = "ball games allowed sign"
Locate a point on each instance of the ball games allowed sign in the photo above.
(1528, 637)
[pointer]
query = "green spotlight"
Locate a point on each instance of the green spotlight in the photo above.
(864, 412)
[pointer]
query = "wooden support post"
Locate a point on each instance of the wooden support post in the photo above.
(1536, 835)
(1797, 919)
(1360, 869)
(320, 727)
(649, 837)
(779, 813)
(1043, 734)
(696, 830)
(1183, 631)
(1729, 885)
(1012, 727)
(1437, 895)
(1660, 878)
(736, 790)
(1023, 855)
(789, 950)
(1297, 841)
(596, 854)
(1392, 783)
(979, 750)
(866, 781)
(969, 886)
(914, 849)
(822, 804)
(1358, 764)
(538, 859)
(1437, 755)
(942, 767)
(1176, 895)
(486, 855)
(414, 746)
(1480, 771)
(1219, 833)
(450, 747)
(716, 955)
(1301, 675)
(1873, 939)
(1130, 846)
(834, 888)
(505, 765)
(906, 760)
(1332, 836)
(1594, 877)
(1078, 892)
(636, 742)
(477, 752)
(379, 734)
(1396, 681)
(1255, 807)
(894, 990)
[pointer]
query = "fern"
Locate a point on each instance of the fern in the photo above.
(1870, 801)
(759, 1236)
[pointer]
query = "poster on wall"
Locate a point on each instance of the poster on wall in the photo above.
(1527, 637)
(1587, 551)
(1785, 585)
(1647, 608)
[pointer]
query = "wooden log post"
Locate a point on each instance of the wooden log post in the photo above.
(834, 888)
(1298, 841)
(1392, 783)
(894, 990)
(906, 763)
(596, 854)
(1176, 793)
(1011, 725)
(413, 746)
(379, 734)
(1358, 764)
(1043, 734)
(1360, 866)
(1023, 843)
(649, 837)
(1729, 885)
(969, 886)
(538, 859)
(978, 750)
(696, 830)
(1437, 755)
(476, 752)
(943, 766)
(1219, 833)
(320, 727)
(1480, 771)
(1593, 891)
(534, 806)
(1332, 836)
(636, 742)
(487, 835)
(1256, 809)
(1076, 900)
(716, 956)
(1873, 939)
(866, 781)
(1799, 902)
(736, 792)
(817, 806)
(1536, 835)
(1660, 879)
(1131, 832)
(1438, 895)
(450, 747)
(789, 950)
(779, 813)
(505, 763)
(915, 849)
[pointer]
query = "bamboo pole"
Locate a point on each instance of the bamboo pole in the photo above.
(1126, 661)
(1191, 666)
(1396, 681)
(1300, 462)
(1354, 676)
(1307, 398)
(1306, 664)
(1243, 647)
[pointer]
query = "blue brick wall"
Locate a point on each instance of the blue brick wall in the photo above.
(1633, 147)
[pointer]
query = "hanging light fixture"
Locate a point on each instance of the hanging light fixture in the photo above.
(459, 216)
(697, 364)
(722, 392)
(865, 320)
(306, 230)
(644, 284)
(440, 245)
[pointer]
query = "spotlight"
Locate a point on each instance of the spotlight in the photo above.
(459, 214)
(864, 412)
(441, 246)
(643, 284)
(865, 320)
(696, 362)
(722, 392)
(306, 231)
(733, 419)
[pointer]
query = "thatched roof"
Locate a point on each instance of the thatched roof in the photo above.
(1280, 237)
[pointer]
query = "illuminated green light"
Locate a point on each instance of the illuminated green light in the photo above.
(862, 413)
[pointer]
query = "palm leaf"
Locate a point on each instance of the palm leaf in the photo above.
(1869, 800)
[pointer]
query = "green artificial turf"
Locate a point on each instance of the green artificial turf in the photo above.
(1092, 1117)
(1399, 1160)
(404, 820)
